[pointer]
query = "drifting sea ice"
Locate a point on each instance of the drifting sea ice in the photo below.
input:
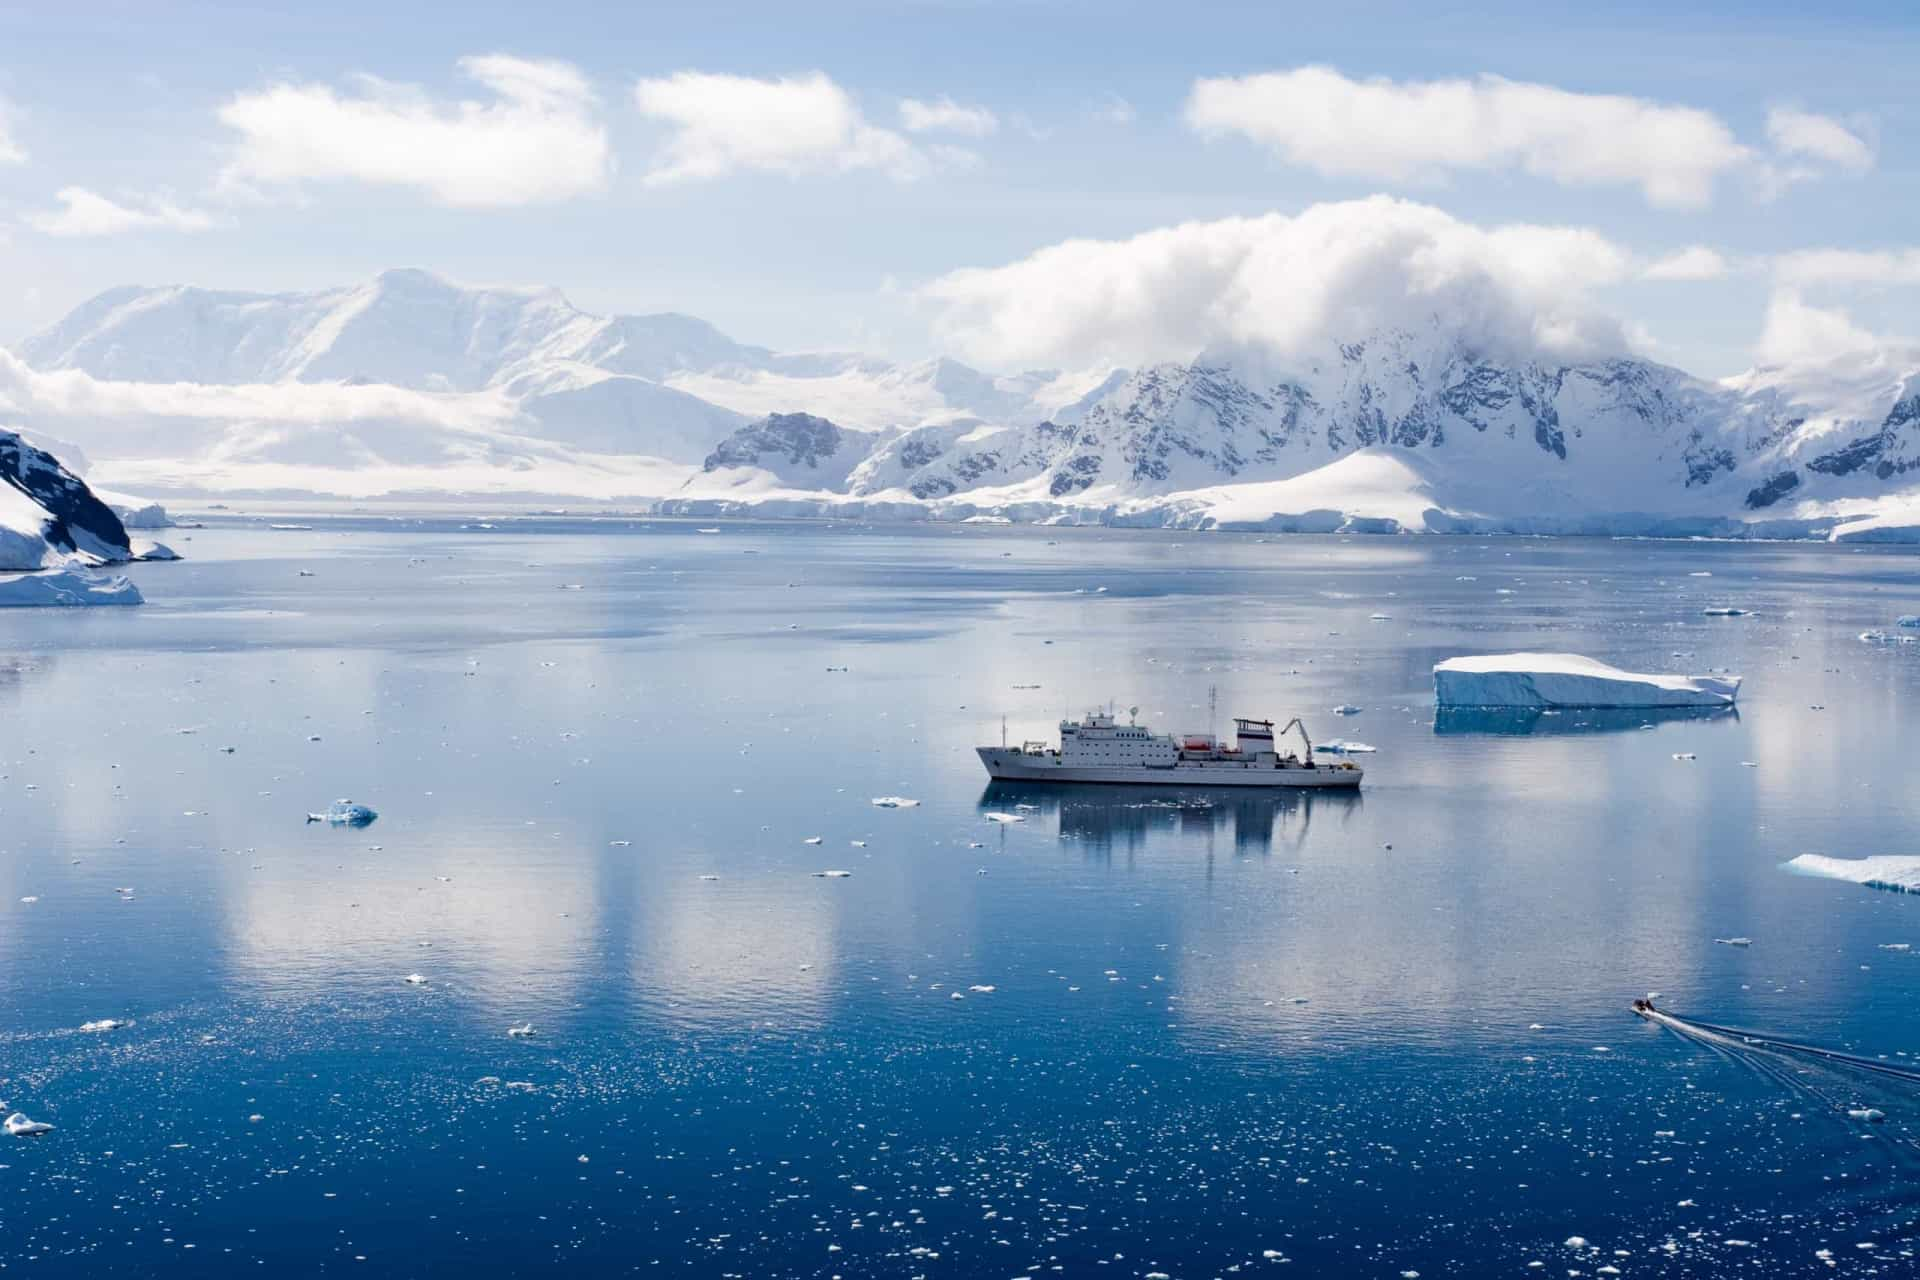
(19, 1126)
(1342, 747)
(1885, 871)
(345, 813)
(894, 802)
(66, 587)
(1569, 680)
(1005, 817)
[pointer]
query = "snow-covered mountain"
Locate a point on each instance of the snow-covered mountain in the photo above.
(411, 384)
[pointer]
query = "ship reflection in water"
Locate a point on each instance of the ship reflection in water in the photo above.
(1102, 816)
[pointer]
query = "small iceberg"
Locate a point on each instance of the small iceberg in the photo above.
(19, 1126)
(1569, 680)
(1885, 871)
(345, 813)
(415, 980)
(995, 816)
(1908, 620)
(1346, 709)
(65, 588)
(1734, 942)
(104, 1024)
(522, 1031)
(1341, 747)
(894, 802)
(1872, 1115)
(1727, 611)
(832, 875)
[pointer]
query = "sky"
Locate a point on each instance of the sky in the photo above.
(1034, 183)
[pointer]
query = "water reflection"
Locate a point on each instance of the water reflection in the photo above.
(1101, 816)
(1557, 721)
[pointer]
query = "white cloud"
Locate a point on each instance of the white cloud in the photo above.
(1817, 137)
(725, 124)
(1868, 267)
(11, 152)
(538, 139)
(946, 115)
(87, 213)
(1427, 130)
(1695, 262)
(1798, 334)
(1286, 282)
(1111, 109)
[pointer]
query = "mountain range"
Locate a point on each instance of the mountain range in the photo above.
(412, 386)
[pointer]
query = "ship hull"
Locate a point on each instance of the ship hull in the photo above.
(1010, 765)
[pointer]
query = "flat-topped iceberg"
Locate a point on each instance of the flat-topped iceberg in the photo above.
(68, 585)
(1883, 871)
(1569, 680)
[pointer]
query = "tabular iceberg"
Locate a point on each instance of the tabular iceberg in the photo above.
(1882, 871)
(1569, 680)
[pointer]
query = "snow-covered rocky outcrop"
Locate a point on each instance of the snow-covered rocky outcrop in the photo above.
(1569, 680)
(48, 515)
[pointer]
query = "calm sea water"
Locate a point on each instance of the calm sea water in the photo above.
(1136, 1034)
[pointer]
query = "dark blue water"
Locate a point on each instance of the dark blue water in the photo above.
(1358, 1037)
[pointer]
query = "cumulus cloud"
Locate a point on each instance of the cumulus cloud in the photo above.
(1845, 267)
(87, 213)
(799, 125)
(1798, 334)
(944, 115)
(1428, 130)
(1816, 137)
(1695, 262)
(537, 139)
(1290, 283)
(1110, 109)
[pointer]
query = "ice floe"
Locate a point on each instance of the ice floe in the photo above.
(1569, 680)
(344, 813)
(894, 802)
(1883, 871)
(1342, 747)
(19, 1126)
(66, 587)
(996, 816)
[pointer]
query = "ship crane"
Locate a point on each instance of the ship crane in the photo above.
(1295, 724)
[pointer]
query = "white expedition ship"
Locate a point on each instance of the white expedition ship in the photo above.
(1099, 749)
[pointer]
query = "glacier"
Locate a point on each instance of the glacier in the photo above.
(67, 586)
(1569, 680)
(410, 386)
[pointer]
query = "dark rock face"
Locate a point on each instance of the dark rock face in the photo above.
(78, 521)
(798, 439)
(1776, 488)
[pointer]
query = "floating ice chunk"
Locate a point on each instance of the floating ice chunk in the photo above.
(1872, 1115)
(522, 1031)
(19, 1126)
(1734, 942)
(414, 980)
(1342, 747)
(709, 877)
(1569, 680)
(1346, 709)
(832, 875)
(984, 989)
(1885, 871)
(67, 586)
(858, 844)
(894, 802)
(1685, 755)
(345, 813)
(1727, 611)
(104, 1024)
(811, 840)
(1005, 817)
(1907, 620)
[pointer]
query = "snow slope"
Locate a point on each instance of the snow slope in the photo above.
(409, 384)
(48, 516)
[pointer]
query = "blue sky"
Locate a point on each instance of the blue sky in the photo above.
(1093, 136)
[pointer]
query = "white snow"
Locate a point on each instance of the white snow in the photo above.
(1569, 680)
(68, 585)
(1883, 871)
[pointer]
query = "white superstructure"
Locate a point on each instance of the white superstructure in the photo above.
(1097, 748)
